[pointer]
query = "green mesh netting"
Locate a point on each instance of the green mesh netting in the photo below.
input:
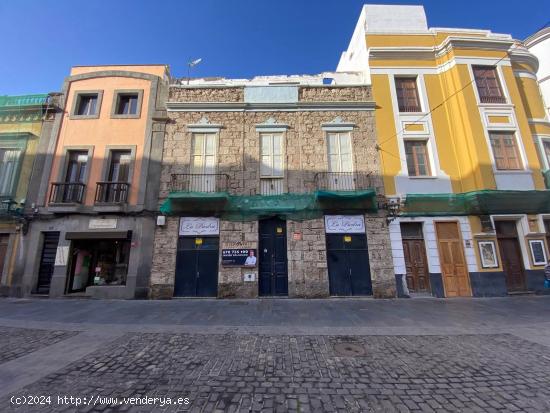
(296, 207)
(478, 203)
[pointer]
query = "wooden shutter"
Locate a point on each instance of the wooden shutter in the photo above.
(407, 95)
(505, 151)
(488, 85)
(271, 155)
(418, 163)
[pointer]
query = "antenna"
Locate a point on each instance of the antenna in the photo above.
(191, 64)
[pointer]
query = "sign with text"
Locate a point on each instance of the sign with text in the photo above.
(102, 223)
(344, 224)
(190, 226)
(239, 257)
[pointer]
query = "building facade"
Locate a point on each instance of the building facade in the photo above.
(539, 45)
(459, 125)
(92, 210)
(25, 125)
(271, 187)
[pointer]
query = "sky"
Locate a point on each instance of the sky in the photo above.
(41, 40)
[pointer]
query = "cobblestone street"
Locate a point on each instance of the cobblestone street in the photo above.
(307, 372)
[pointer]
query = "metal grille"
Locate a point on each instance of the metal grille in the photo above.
(199, 182)
(67, 192)
(342, 181)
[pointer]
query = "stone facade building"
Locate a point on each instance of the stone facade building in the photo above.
(271, 187)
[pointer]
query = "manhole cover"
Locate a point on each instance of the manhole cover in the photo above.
(349, 350)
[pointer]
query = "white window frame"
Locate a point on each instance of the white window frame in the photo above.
(271, 155)
(339, 134)
(10, 191)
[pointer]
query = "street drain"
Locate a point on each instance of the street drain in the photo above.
(349, 350)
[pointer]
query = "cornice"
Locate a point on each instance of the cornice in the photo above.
(283, 107)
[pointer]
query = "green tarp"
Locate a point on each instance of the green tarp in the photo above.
(297, 207)
(478, 203)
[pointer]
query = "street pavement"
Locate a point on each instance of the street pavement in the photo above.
(275, 355)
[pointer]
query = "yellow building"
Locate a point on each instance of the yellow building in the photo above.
(25, 124)
(460, 126)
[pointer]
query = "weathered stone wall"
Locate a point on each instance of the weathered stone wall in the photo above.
(335, 94)
(305, 152)
(211, 94)
(165, 247)
(307, 259)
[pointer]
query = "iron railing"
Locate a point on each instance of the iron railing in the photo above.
(342, 181)
(112, 192)
(414, 108)
(199, 182)
(492, 99)
(67, 193)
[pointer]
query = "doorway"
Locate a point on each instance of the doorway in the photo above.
(454, 270)
(273, 267)
(348, 265)
(510, 254)
(98, 262)
(416, 263)
(47, 262)
(197, 267)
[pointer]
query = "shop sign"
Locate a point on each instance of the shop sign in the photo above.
(199, 226)
(102, 223)
(239, 257)
(344, 224)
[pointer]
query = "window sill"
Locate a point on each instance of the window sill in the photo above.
(110, 207)
(422, 177)
(83, 117)
(512, 172)
(134, 116)
(65, 207)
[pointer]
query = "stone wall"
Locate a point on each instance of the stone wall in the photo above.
(305, 155)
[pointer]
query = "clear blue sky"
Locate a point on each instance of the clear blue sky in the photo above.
(41, 40)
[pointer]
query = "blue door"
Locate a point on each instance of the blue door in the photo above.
(197, 267)
(273, 274)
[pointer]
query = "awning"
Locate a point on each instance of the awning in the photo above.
(485, 202)
(359, 200)
(180, 202)
(125, 235)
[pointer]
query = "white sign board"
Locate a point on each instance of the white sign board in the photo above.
(199, 226)
(344, 224)
(102, 223)
(61, 256)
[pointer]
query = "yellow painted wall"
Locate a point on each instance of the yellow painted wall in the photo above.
(530, 97)
(156, 70)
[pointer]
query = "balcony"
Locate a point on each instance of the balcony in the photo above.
(112, 193)
(342, 181)
(345, 192)
(200, 194)
(67, 193)
(207, 183)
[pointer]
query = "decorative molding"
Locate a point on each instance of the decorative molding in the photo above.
(271, 125)
(338, 124)
(204, 125)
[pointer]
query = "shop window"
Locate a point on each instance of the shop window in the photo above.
(9, 162)
(418, 162)
(505, 151)
(407, 94)
(488, 85)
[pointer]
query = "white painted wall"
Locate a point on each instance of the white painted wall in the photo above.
(430, 240)
(539, 45)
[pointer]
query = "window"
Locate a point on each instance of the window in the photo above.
(271, 155)
(505, 151)
(9, 161)
(203, 162)
(340, 162)
(119, 169)
(488, 86)
(86, 105)
(418, 163)
(546, 146)
(76, 166)
(127, 104)
(407, 94)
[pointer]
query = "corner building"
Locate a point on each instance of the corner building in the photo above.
(461, 128)
(271, 187)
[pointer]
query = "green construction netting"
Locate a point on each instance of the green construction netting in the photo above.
(478, 203)
(546, 175)
(297, 207)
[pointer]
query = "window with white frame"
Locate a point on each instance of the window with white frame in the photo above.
(203, 162)
(418, 161)
(505, 151)
(9, 162)
(546, 147)
(340, 161)
(271, 146)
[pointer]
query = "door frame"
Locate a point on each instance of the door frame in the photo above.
(457, 222)
(425, 254)
(525, 260)
(260, 254)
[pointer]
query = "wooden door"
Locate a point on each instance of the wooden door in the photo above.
(418, 279)
(273, 274)
(454, 270)
(510, 254)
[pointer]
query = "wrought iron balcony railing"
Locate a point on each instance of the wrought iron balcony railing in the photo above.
(67, 193)
(112, 192)
(342, 181)
(492, 99)
(199, 182)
